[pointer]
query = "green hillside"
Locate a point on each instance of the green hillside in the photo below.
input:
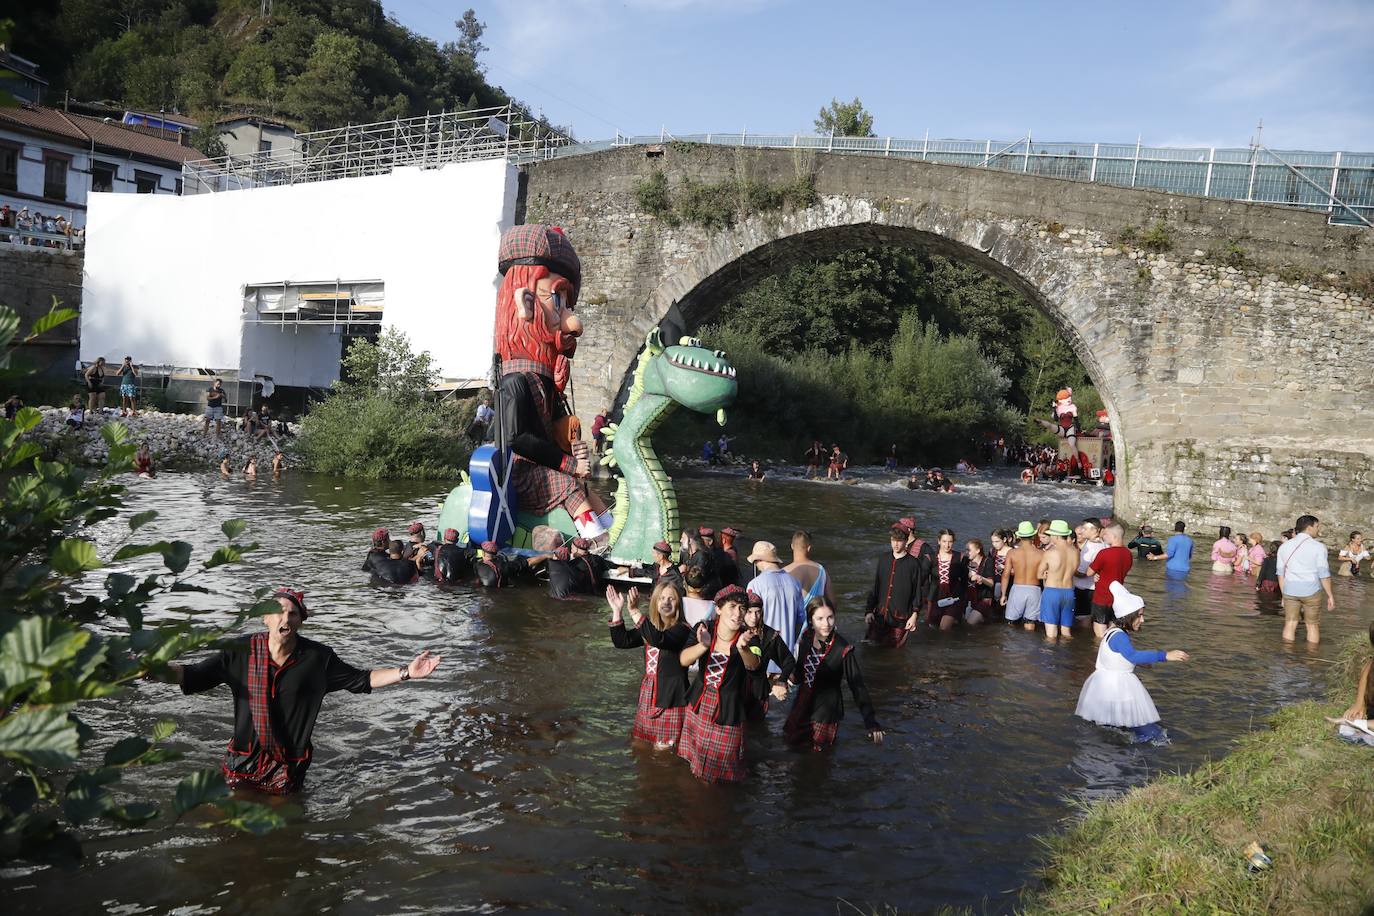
(312, 63)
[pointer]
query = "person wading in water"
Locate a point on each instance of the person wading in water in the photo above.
(1021, 578)
(279, 680)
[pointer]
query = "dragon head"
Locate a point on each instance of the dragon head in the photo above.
(695, 377)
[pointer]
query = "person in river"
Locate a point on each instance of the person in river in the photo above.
(143, 462)
(394, 568)
(917, 547)
(583, 573)
(755, 471)
(250, 467)
(827, 661)
(1353, 725)
(784, 608)
(1021, 579)
(381, 540)
(1178, 552)
(278, 463)
(696, 607)
(663, 636)
(815, 455)
(279, 680)
(1267, 579)
(1304, 574)
(452, 561)
(1255, 554)
(900, 584)
(1112, 563)
(726, 566)
(980, 571)
(712, 739)
(1001, 540)
(839, 461)
(1112, 694)
(1146, 545)
(1089, 533)
(948, 585)
(664, 568)
(224, 468)
(418, 551)
(770, 678)
(810, 575)
(728, 536)
(1352, 555)
(1056, 571)
(694, 552)
(496, 571)
(1224, 552)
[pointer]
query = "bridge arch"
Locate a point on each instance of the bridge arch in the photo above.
(1022, 257)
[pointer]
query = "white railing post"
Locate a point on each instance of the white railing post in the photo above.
(1025, 163)
(1092, 170)
(1207, 185)
(887, 147)
(831, 145)
(1331, 197)
(1135, 163)
(1254, 163)
(987, 153)
(925, 145)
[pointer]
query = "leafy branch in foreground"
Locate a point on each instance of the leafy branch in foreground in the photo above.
(63, 647)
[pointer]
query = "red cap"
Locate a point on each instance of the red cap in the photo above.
(733, 532)
(450, 534)
(490, 547)
(415, 528)
(755, 599)
(662, 547)
(295, 597)
(380, 537)
(706, 531)
(729, 593)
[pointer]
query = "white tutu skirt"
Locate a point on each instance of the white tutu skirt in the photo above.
(1116, 698)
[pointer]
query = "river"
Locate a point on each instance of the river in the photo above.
(508, 779)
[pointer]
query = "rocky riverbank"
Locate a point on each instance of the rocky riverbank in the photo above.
(177, 440)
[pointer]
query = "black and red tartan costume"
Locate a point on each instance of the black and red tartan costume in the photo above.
(819, 706)
(948, 579)
(663, 689)
(712, 739)
(275, 707)
(773, 649)
(900, 585)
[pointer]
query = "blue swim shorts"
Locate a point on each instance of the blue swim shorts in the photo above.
(1056, 607)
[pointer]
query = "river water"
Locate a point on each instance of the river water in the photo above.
(508, 779)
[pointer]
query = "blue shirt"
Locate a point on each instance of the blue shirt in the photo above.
(1302, 564)
(1120, 643)
(783, 606)
(1179, 552)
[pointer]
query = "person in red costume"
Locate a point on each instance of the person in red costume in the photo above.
(536, 337)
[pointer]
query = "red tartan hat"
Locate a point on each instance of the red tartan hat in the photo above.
(450, 534)
(731, 593)
(490, 547)
(663, 548)
(295, 597)
(733, 532)
(415, 528)
(706, 531)
(582, 543)
(755, 599)
(381, 537)
(543, 245)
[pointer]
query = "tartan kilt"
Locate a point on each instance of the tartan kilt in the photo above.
(652, 723)
(542, 489)
(715, 752)
(803, 733)
(885, 634)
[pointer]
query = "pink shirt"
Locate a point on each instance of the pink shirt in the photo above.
(1256, 556)
(1224, 551)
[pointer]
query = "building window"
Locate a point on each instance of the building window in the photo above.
(264, 146)
(9, 168)
(55, 176)
(179, 186)
(146, 182)
(103, 176)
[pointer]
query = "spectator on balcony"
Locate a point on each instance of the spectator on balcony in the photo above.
(24, 222)
(6, 214)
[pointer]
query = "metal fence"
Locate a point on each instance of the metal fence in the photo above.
(375, 149)
(1341, 183)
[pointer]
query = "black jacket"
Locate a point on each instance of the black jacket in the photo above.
(670, 683)
(825, 696)
(900, 585)
(734, 686)
(394, 572)
(576, 576)
(771, 649)
(452, 563)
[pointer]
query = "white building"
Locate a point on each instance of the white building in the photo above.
(51, 161)
(272, 281)
(246, 135)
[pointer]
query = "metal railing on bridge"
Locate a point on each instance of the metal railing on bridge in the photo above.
(1340, 183)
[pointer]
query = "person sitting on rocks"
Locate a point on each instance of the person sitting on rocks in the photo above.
(76, 414)
(13, 406)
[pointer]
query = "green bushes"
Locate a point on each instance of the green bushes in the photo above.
(930, 393)
(380, 422)
(716, 205)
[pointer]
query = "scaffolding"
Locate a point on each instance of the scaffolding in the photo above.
(428, 141)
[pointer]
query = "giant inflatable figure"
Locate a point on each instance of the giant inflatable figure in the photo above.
(545, 483)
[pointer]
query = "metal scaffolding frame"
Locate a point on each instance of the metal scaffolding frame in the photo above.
(355, 150)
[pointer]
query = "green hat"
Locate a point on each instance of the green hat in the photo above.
(1025, 530)
(1060, 528)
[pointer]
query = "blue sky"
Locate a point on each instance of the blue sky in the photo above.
(1178, 74)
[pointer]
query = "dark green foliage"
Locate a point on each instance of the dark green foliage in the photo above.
(381, 421)
(1157, 238)
(845, 119)
(321, 63)
(716, 205)
(63, 646)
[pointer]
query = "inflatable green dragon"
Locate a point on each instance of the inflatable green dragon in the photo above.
(645, 508)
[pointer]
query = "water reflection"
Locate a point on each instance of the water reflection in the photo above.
(508, 779)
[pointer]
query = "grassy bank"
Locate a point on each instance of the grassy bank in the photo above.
(1176, 845)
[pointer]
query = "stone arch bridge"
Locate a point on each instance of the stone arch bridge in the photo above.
(1240, 388)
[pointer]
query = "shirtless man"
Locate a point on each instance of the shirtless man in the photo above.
(1022, 599)
(1057, 566)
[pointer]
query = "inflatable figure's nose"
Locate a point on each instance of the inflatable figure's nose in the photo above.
(572, 325)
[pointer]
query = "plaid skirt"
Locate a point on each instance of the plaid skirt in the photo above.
(884, 634)
(543, 489)
(715, 752)
(800, 731)
(652, 723)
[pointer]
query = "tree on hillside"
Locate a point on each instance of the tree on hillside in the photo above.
(845, 119)
(327, 93)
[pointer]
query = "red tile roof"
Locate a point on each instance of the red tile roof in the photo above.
(84, 131)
